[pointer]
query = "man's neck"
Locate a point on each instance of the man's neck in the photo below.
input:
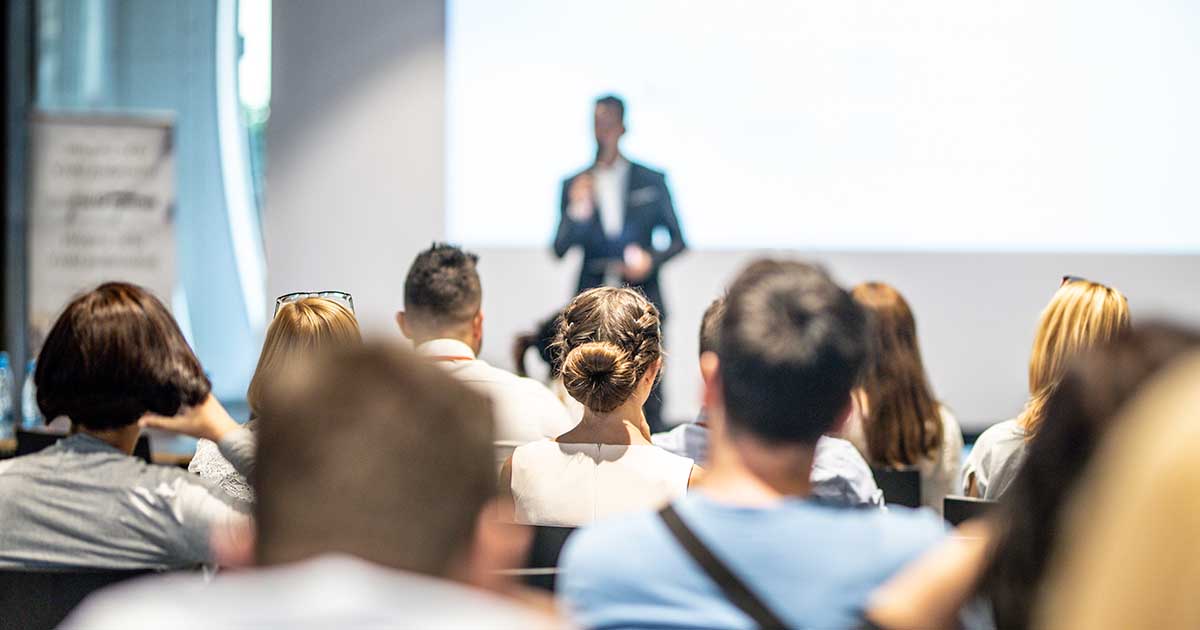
(747, 471)
(466, 340)
(607, 160)
(121, 438)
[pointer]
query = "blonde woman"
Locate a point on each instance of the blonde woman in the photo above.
(303, 323)
(1082, 314)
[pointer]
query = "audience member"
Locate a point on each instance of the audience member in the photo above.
(1132, 525)
(840, 475)
(375, 509)
(309, 324)
(610, 352)
(113, 358)
(1084, 408)
(1082, 314)
(897, 421)
(790, 347)
(443, 316)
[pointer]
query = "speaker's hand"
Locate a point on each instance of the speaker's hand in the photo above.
(580, 204)
(637, 263)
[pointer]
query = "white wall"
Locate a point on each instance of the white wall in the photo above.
(355, 189)
(354, 147)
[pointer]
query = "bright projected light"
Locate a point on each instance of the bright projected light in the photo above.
(880, 125)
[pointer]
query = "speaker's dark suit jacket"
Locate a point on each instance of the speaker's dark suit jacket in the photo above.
(647, 207)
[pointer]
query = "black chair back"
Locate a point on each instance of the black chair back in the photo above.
(547, 544)
(901, 486)
(29, 442)
(960, 509)
(33, 600)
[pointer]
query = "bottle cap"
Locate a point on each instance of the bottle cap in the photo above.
(3, 359)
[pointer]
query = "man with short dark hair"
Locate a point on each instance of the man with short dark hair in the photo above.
(612, 210)
(790, 347)
(375, 487)
(443, 316)
(840, 475)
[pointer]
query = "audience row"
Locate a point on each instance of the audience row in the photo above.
(400, 485)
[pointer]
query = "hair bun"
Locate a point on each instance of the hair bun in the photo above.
(599, 374)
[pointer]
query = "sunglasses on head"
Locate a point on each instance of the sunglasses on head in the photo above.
(341, 297)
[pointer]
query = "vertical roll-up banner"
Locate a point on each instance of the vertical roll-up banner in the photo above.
(101, 208)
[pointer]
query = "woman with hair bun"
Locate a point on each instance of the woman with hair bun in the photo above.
(608, 348)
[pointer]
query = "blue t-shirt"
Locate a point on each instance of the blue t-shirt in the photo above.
(814, 565)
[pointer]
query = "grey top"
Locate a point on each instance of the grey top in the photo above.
(996, 459)
(84, 504)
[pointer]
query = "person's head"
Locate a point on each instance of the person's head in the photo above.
(309, 325)
(710, 325)
(114, 355)
(609, 125)
(443, 297)
(902, 423)
(609, 348)
(1082, 314)
(1083, 409)
(791, 343)
(1133, 521)
(371, 452)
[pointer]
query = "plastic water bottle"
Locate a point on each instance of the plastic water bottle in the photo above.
(6, 397)
(31, 416)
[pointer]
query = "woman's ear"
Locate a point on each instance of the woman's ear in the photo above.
(651, 374)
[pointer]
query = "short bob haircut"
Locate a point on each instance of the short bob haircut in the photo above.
(113, 355)
(310, 325)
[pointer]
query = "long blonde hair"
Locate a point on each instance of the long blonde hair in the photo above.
(303, 326)
(1081, 314)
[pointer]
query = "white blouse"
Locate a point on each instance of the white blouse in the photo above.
(570, 485)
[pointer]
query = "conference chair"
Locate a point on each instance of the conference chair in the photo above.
(33, 600)
(542, 565)
(957, 510)
(29, 442)
(901, 486)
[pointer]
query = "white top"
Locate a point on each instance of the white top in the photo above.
(331, 591)
(574, 484)
(209, 464)
(996, 459)
(610, 186)
(941, 477)
(689, 439)
(525, 410)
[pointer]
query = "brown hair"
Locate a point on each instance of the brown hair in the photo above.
(1081, 315)
(607, 339)
(710, 326)
(371, 452)
(114, 354)
(902, 424)
(304, 326)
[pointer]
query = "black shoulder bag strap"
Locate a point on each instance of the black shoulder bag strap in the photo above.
(734, 589)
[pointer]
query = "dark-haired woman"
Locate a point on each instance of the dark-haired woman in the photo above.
(609, 351)
(899, 423)
(113, 362)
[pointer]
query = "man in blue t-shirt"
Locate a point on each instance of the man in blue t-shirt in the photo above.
(789, 350)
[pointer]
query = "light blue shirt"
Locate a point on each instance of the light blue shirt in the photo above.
(814, 565)
(839, 476)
